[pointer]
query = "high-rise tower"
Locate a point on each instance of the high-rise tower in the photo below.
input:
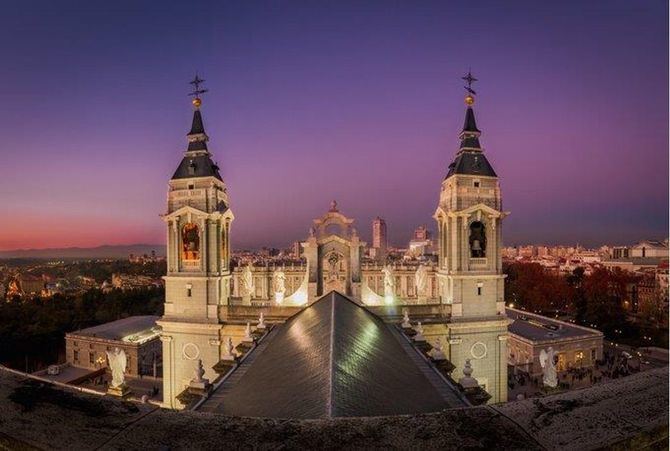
(379, 238)
(198, 221)
(469, 219)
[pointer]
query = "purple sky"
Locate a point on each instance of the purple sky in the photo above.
(311, 101)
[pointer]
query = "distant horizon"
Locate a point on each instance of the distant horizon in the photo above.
(288, 245)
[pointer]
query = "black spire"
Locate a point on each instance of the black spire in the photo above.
(197, 161)
(470, 125)
(196, 126)
(470, 158)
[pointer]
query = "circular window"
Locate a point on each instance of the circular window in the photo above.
(478, 350)
(190, 351)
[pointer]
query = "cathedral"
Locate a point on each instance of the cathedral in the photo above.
(458, 302)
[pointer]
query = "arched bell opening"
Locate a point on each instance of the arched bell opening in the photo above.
(477, 240)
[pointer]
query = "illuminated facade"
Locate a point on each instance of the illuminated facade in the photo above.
(197, 283)
(469, 219)
(459, 299)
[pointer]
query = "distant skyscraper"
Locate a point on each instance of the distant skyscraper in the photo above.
(379, 238)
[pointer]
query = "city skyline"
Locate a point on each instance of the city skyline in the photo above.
(98, 129)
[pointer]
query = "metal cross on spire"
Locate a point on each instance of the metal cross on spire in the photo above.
(197, 81)
(469, 79)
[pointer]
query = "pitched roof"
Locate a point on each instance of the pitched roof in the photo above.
(470, 159)
(471, 163)
(197, 161)
(334, 359)
(200, 165)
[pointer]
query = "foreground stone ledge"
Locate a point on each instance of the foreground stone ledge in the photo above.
(627, 413)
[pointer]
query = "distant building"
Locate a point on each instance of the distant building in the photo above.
(527, 251)
(296, 250)
(646, 254)
(650, 248)
(138, 336)
(379, 238)
(29, 284)
(529, 334)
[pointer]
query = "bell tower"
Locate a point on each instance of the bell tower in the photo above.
(470, 279)
(198, 221)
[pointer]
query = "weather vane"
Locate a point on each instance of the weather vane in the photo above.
(469, 79)
(197, 81)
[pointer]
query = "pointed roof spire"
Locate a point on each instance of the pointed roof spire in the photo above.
(197, 138)
(197, 161)
(470, 158)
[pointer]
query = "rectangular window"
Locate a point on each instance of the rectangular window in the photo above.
(476, 184)
(593, 355)
(91, 358)
(188, 292)
(479, 291)
(75, 355)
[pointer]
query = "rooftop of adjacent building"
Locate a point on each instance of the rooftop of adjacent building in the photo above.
(539, 328)
(630, 412)
(132, 329)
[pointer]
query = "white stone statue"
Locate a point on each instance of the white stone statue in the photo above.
(421, 280)
(419, 332)
(389, 282)
(117, 364)
(199, 372)
(247, 281)
(437, 353)
(261, 321)
(229, 350)
(278, 285)
(247, 333)
(406, 324)
(467, 381)
(547, 362)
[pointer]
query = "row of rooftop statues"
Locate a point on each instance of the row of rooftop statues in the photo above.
(247, 285)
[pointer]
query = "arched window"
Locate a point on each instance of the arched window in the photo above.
(190, 241)
(477, 240)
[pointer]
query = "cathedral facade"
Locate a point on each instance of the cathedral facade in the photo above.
(459, 299)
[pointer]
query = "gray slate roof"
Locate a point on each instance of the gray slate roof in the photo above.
(199, 165)
(470, 159)
(540, 328)
(333, 359)
(118, 329)
(471, 163)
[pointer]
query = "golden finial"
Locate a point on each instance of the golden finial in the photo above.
(197, 81)
(469, 100)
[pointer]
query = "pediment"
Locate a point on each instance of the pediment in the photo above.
(187, 210)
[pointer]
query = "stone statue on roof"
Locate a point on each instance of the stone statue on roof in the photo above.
(421, 280)
(548, 364)
(389, 281)
(117, 361)
(247, 281)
